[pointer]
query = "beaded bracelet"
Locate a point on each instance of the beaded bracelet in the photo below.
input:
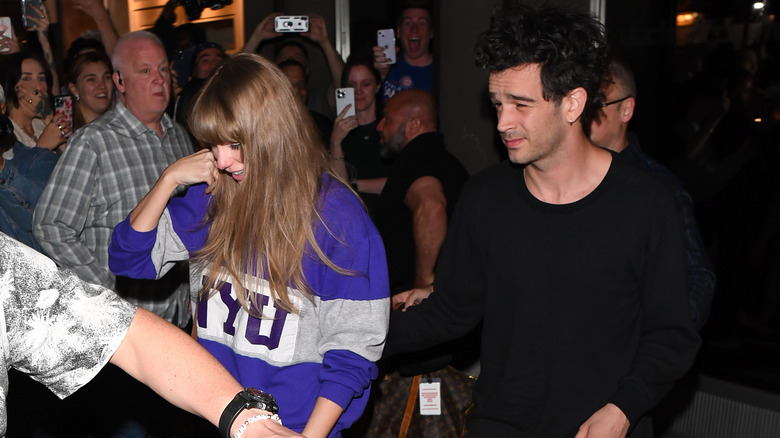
(241, 429)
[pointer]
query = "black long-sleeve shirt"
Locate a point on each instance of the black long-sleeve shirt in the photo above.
(583, 304)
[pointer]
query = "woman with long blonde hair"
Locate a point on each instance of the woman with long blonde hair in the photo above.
(289, 272)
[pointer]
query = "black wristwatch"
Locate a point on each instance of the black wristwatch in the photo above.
(246, 399)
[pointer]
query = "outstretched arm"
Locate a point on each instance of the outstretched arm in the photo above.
(96, 10)
(322, 419)
(181, 371)
(318, 32)
(263, 31)
(41, 27)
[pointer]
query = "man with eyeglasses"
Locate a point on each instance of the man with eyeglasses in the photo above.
(609, 129)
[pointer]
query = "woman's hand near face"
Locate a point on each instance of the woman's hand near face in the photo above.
(35, 101)
(193, 169)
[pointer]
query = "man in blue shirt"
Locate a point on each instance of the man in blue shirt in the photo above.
(414, 65)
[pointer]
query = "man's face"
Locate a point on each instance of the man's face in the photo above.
(415, 33)
(605, 129)
(292, 52)
(297, 77)
(531, 128)
(146, 79)
(392, 129)
(206, 61)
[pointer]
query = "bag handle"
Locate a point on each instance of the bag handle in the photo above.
(409, 407)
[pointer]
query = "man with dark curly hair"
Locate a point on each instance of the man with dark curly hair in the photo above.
(573, 259)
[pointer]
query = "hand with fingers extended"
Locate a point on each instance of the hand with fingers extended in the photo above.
(409, 298)
(381, 61)
(342, 127)
(10, 44)
(40, 22)
(93, 8)
(263, 31)
(318, 31)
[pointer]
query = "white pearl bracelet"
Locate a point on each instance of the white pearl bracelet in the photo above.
(241, 429)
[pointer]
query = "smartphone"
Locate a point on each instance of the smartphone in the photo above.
(385, 38)
(27, 9)
(344, 97)
(63, 108)
(291, 23)
(182, 63)
(7, 30)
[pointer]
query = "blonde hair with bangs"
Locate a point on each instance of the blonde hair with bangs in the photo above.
(264, 226)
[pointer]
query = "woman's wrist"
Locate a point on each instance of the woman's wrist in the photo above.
(335, 152)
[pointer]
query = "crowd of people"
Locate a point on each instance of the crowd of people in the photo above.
(224, 195)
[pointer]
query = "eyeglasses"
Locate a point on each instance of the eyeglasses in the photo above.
(615, 101)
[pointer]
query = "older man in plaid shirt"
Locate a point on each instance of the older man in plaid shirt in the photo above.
(108, 166)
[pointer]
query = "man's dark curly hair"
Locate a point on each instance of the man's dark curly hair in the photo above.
(570, 47)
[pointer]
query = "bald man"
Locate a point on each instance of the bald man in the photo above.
(108, 166)
(422, 186)
(609, 129)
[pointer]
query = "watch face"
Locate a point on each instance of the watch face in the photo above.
(261, 400)
(257, 394)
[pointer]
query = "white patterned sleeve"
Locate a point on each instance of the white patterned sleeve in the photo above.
(61, 330)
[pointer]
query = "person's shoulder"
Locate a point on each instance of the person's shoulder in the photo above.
(95, 132)
(486, 185)
(340, 205)
(640, 186)
(495, 173)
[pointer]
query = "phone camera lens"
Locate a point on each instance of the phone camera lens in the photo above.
(340, 94)
(288, 24)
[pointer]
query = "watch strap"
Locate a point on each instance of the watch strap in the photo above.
(230, 413)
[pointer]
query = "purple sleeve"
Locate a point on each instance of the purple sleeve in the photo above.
(129, 253)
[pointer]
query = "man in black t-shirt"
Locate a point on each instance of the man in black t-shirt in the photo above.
(572, 260)
(421, 189)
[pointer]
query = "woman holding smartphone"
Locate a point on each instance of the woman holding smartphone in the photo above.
(289, 273)
(354, 142)
(27, 83)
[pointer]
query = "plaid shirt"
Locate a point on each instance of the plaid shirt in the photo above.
(108, 166)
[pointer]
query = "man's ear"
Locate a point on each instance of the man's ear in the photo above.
(118, 81)
(627, 109)
(574, 104)
(413, 126)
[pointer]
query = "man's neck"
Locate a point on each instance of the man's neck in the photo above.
(152, 121)
(569, 176)
(421, 61)
(620, 143)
